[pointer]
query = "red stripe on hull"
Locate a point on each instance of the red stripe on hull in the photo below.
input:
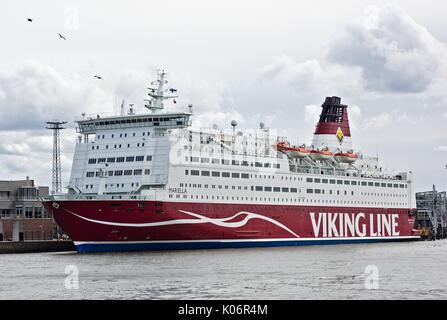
(158, 221)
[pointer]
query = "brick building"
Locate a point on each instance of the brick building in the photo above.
(22, 216)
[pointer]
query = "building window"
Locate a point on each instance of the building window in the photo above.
(139, 158)
(147, 171)
(130, 159)
(138, 172)
(148, 158)
(120, 159)
(38, 212)
(91, 161)
(28, 212)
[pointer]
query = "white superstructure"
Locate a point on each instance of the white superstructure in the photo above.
(158, 155)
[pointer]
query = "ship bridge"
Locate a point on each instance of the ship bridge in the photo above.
(162, 120)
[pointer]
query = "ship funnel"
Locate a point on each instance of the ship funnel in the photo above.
(332, 130)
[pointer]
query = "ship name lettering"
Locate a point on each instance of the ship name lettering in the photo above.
(177, 190)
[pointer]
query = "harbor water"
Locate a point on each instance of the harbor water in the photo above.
(409, 270)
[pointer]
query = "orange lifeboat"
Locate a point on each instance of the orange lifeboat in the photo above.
(346, 157)
(321, 155)
(293, 152)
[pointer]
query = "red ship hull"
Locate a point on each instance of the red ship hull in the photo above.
(101, 225)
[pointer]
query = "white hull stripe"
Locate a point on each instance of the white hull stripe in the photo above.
(200, 219)
(78, 243)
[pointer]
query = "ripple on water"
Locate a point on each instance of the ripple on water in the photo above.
(406, 271)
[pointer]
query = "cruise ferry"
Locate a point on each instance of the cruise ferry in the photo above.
(151, 181)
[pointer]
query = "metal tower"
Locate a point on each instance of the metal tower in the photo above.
(56, 126)
(433, 204)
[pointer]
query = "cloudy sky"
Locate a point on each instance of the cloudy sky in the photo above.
(272, 61)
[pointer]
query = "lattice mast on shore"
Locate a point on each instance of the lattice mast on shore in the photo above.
(56, 126)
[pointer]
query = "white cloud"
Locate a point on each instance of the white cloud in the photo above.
(312, 75)
(394, 53)
(389, 52)
(440, 149)
(391, 118)
(36, 93)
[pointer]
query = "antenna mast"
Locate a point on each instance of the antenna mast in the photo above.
(157, 94)
(56, 126)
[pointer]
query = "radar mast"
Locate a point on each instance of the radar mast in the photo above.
(157, 92)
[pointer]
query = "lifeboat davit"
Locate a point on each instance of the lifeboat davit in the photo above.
(321, 155)
(293, 152)
(346, 157)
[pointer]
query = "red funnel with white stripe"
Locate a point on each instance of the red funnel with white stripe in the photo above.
(332, 130)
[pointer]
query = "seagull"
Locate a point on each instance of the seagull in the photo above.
(61, 36)
(98, 77)
(29, 20)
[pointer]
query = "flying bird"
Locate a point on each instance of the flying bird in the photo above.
(98, 77)
(29, 20)
(61, 36)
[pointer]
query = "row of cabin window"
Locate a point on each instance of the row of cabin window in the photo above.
(155, 121)
(234, 162)
(206, 173)
(321, 201)
(384, 194)
(321, 191)
(354, 183)
(119, 159)
(122, 135)
(274, 189)
(118, 146)
(87, 186)
(213, 186)
(116, 173)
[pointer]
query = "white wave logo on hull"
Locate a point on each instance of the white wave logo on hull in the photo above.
(224, 222)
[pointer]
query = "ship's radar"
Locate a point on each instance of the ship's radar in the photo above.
(158, 92)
